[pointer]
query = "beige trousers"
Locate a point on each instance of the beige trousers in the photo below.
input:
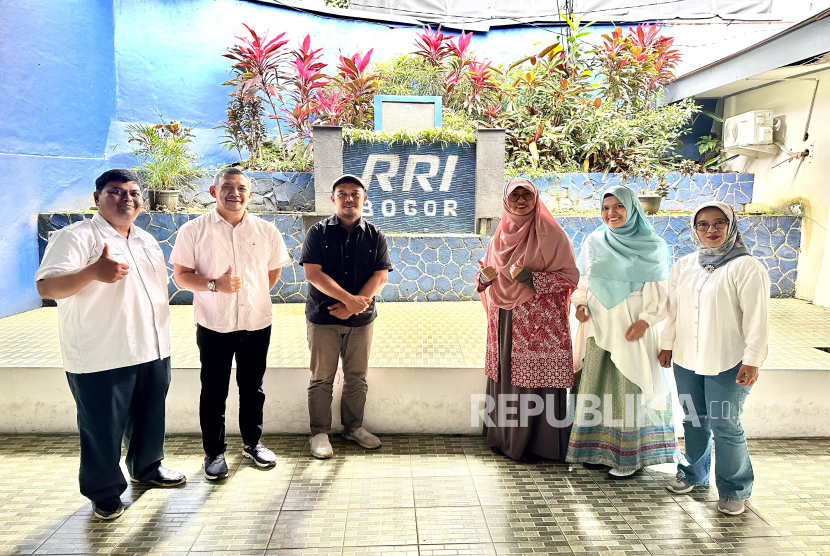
(328, 344)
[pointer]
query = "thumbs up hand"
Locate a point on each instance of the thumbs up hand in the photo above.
(229, 282)
(107, 269)
(488, 272)
(516, 269)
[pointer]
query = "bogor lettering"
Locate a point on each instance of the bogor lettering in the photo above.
(420, 169)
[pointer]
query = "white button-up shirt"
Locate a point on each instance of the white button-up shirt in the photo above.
(108, 326)
(209, 244)
(719, 319)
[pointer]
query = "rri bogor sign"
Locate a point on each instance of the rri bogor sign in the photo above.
(416, 189)
(454, 189)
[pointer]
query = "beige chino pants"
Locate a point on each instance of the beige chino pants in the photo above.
(328, 344)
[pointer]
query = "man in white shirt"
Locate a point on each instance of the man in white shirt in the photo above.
(110, 282)
(230, 259)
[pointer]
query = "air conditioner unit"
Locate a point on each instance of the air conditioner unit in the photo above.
(748, 129)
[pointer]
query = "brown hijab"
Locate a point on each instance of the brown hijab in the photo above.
(536, 240)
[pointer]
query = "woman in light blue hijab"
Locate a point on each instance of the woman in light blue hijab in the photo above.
(622, 296)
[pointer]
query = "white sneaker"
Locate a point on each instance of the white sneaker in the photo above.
(616, 473)
(364, 438)
(321, 447)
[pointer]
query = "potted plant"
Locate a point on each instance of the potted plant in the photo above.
(168, 161)
(650, 198)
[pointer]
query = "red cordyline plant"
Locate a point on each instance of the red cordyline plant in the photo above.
(258, 75)
(359, 86)
(331, 106)
(258, 64)
(433, 45)
(467, 81)
(637, 65)
(304, 79)
(481, 81)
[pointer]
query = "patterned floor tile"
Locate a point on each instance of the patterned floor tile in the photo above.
(382, 492)
(247, 531)
(582, 522)
(522, 523)
(761, 546)
(813, 545)
(439, 465)
(381, 527)
(684, 547)
(608, 547)
(410, 550)
(310, 494)
(504, 489)
(660, 521)
(539, 548)
(82, 535)
(444, 491)
(162, 532)
(324, 528)
(500, 511)
(380, 464)
(460, 525)
(459, 549)
(719, 525)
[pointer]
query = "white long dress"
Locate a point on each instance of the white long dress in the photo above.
(637, 361)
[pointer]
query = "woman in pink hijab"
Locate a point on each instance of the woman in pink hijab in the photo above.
(525, 282)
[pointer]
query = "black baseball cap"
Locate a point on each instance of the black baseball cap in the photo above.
(350, 178)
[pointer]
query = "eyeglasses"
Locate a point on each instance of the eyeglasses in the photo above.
(718, 225)
(514, 197)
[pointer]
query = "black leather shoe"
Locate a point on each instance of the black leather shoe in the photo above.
(165, 478)
(216, 468)
(108, 509)
(261, 455)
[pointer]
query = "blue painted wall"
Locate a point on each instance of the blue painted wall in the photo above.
(58, 89)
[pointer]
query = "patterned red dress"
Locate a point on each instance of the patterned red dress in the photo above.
(541, 354)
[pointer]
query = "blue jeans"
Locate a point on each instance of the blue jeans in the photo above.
(712, 405)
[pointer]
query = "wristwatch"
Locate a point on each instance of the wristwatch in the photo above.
(211, 286)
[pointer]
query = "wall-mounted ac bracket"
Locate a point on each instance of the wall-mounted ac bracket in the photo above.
(753, 151)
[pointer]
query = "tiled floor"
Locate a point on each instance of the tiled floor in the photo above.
(417, 495)
(433, 335)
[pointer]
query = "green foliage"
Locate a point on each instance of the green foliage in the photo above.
(571, 107)
(442, 135)
(560, 118)
(410, 75)
(165, 149)
(280, 157)
(708, 143)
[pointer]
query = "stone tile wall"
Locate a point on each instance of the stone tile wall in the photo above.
(290, 288)
(583, 192)
(442, 268)
(271, 192)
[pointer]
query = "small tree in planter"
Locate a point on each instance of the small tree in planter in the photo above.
(169, 163)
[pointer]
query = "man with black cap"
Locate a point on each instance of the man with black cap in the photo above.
(346, 262)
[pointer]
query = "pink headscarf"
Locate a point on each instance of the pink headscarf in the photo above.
(536, 240)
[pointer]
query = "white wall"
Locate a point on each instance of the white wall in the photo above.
(400, 400)
(806, 180)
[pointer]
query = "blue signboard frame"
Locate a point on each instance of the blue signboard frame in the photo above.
(380, 99)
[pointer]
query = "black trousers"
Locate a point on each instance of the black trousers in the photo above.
(216, 351)
(125, 403)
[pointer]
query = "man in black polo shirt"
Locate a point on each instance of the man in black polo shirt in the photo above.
(346, 261)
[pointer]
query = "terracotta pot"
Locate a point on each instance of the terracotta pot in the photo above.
(651, 203)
